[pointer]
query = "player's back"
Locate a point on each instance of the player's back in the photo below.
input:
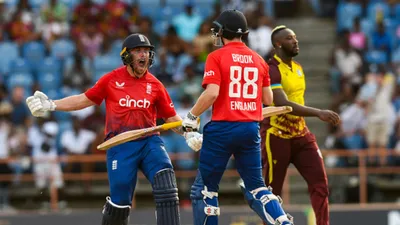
(241, 74)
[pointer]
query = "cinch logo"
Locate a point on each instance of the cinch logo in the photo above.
(209, 73)
(128, 102)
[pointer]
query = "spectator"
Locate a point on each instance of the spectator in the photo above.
(177, 57)
(162, 70)
(381, 39)
(381, 117)
(88, 11)
(134, 18)
(76, 142)
(259, 37)
(351, 133)
(349, 63)
(203, 40)
(46, 168)
(5, 131)
(78, 76)
(20, 151)
(54, 10)
(20, 114)
(358, 39)
(90, 41)
(146, 28)
(114, 27)
(94, 120)
(53, 29)
(187, 23)
(19, 31)
(191, 84)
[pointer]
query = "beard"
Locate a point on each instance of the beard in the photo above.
(290, 52)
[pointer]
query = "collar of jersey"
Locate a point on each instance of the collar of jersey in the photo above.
(235, 43)
(280, 61)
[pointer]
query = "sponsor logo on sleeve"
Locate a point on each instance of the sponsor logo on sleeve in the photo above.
(209, 73)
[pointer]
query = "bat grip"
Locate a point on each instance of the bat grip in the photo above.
(167, 126)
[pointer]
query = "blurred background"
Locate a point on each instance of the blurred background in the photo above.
(350, 52)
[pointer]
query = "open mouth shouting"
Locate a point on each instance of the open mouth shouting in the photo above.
(142, 62)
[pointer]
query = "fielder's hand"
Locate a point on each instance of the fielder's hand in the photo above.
(194, 140)
(39, 104)
(191, 123)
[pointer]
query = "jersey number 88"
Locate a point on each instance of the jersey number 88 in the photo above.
(235, 86)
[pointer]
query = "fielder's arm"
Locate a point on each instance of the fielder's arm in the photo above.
(175, 118)
(206, 99)
(267, 96)
(280, 99)
(74, 102)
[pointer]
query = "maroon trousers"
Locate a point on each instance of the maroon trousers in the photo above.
(305, 155)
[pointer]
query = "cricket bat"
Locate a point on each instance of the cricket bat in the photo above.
(136, 134)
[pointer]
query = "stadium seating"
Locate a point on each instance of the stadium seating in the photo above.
(69, 63)
(375, 8)
(396, 56)
(376, 57)
(22, 79)
(346, 13)
(34, 53)
(106, 62)
(9, 52)
(19, 65)
(62, 48)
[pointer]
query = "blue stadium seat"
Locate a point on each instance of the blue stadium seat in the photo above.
(367, 26)
(11, 3)
(106, 62)
(24, 80)
(161, 27)
(62, 48)
(116, 47)
(71, 4)
(100, 2)
(9, 51)
(98, 74)
(36, 4)
(20, 65)
(49, 81)
(397, 11)
(69, 63)
(374, 8)
(375, 56)
(346, 13)
(396, 56)
(49, 64)
(34, 52)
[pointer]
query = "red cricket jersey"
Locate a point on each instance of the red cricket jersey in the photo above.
(241, 74)
(131, 103)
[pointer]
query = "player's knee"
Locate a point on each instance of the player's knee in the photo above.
(204, 204)
(114, 214)
(164, 186)
(321, 189)
(165, 192)
(266, 205)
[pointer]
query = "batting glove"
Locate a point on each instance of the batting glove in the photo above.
(39, 104)
(191, 123)
(194, 140)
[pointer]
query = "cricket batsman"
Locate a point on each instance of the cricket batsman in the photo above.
(286, 138)
(134, 99)
(236, 83)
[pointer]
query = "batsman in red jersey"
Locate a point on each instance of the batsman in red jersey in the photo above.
(286, 138)
(236, 83)
(134, 99)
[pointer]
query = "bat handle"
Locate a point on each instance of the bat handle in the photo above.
(167, 126)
